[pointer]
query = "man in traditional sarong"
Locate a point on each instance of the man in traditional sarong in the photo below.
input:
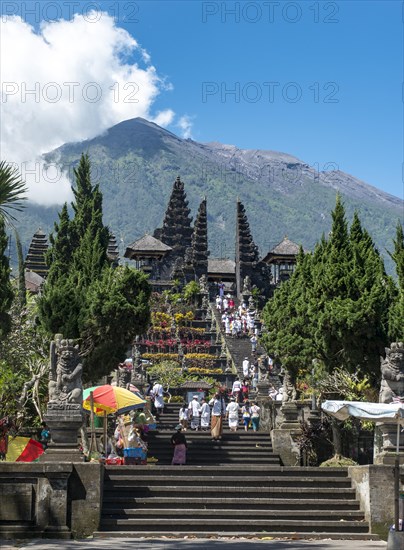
(205, 415)
(179, 442)
(195, 412)
(218, 411)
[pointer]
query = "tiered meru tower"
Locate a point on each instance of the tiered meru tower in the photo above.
(178, 251)
(176, 231)
(35, 259)
(247, 259)
(199, 242)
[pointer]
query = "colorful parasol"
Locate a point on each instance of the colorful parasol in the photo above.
(111, 399)
(23, 449)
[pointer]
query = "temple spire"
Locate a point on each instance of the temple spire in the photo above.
(177, 231)
(246, 250)
(200, 241)
(35, 260)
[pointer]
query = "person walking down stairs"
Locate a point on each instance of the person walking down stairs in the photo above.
(195, 412)
(183, 416)
(205, 415)
(179, 442)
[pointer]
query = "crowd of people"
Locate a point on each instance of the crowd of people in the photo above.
(237, 322)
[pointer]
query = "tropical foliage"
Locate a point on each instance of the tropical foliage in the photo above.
(334, 309)
(84, 296)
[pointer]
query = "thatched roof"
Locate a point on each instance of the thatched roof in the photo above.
(285, 248)
(192, 385)
(216, 265)
(146, 244)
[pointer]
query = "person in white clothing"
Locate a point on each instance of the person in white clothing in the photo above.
(232, 414)
(195, 412)
(246, 367)
(184, 416)
(157, 396)
(205, 415)
(236, 390)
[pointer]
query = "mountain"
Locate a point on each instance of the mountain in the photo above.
(136, 163)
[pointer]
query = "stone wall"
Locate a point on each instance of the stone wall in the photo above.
(374, 486)
(50, 500)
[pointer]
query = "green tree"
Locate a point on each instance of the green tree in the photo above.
(6, 292)
(118, 310)
(23, 365)
(334, 307)
(60, 252)
(289, 335)
(84, 297)
(396, 313)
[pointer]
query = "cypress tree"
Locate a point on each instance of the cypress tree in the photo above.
(6, 293)
(396, 313)
(22, 291)
(334, 307)
(287, 317)
(118, 311)
(84, 297)
(60, 252)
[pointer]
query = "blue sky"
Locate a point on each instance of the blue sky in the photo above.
(319, 80)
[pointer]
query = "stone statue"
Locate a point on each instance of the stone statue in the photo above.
(246, 285)
(289, 390)
(205, 302)
(392, 367)
(188, 256)
(123, 375)
(65, 372)
(263, 371)
(203, 285)
(177, 269)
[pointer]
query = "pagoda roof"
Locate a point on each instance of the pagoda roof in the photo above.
(195, 385)
(145, 244)
(217, 265)
(285, 248)
(33, 281)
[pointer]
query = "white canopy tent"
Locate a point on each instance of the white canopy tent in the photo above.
(389, 413)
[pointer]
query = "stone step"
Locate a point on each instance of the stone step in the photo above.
(324, 515)
(248, 469)
(255, 525)
(264, 481)
(229, 503)
(238, 492)
(295, 535)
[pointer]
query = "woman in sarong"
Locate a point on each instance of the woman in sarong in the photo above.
(179, 442)
(218, 411)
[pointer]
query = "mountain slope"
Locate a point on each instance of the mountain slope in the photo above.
(136, 163)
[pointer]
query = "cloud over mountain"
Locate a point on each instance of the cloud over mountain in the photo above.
(69, 81)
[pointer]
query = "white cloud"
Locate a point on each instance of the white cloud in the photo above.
(83, 80)
(164, 118)
(185, 124)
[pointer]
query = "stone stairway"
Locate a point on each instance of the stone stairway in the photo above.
(228, 488)
(247, 500)
(239, 348)
(235, 447)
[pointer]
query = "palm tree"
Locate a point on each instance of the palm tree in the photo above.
(12, 189)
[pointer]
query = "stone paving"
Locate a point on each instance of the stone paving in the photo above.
(190, 544)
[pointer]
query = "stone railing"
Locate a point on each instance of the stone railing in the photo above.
(50, 500)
